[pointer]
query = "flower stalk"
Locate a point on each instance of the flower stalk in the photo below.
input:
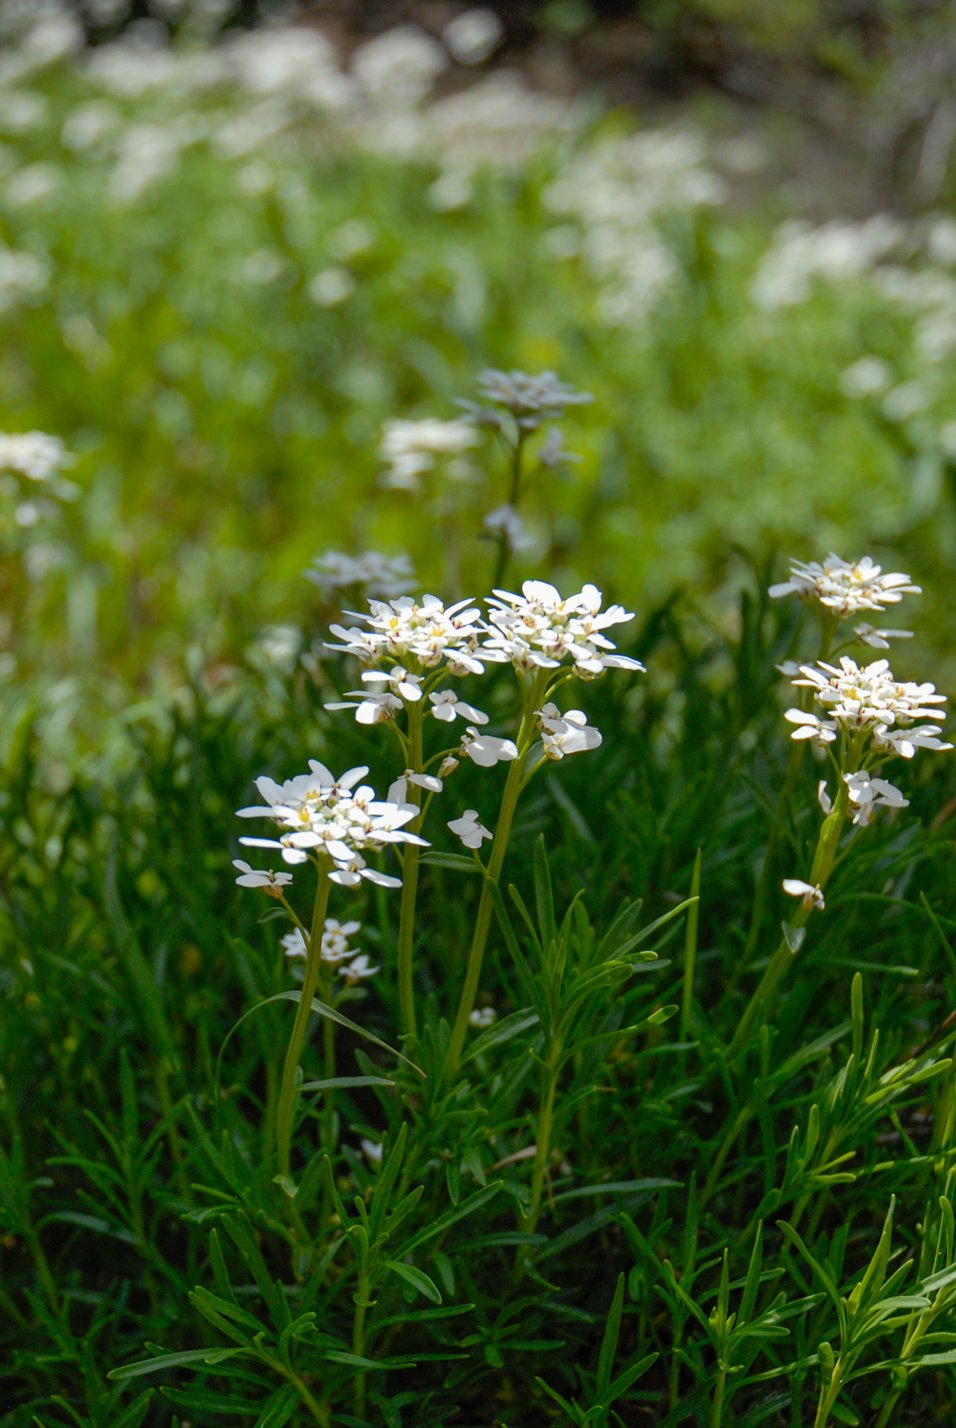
(313, 967)
(406, 925)
(828, 842)
(534, 695)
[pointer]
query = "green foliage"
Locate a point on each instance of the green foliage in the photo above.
(604, 1217)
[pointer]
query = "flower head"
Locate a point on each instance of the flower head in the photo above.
(529, 399)
(863, 699)
(380, 576)
(844, 588)
(539, 630)
(33, 454)
(418, 634)
(340, 818)
(411, 449)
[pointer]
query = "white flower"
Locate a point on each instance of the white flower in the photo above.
(880, 639)
(823, 798)
(866, 698)
(421, 633)
(821, 731)
(446, 705)
(483, 1017)
(472, 36)
(868, 793)
(810, 893)
(505, 521)
(381, 576)
(530, 398)
(866, 378)
(406, 686)
(254, 878)
(358, 969)
(372, 1150)
(843, 588)
(411, 449)
(905, 742)
(319, 814)
(567, 733)
(294, 944)
(447, 766)
(371, 708)
(33, 454)
(538, 630)
(485, 750)
(398, 792)
(469, 830)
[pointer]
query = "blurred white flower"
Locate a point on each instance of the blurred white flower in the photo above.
(372, 1150)
(396, 70)
(880, 639)
(331, 286)
(358, 969)
(505, 521)
(483, 1017)
(468, 828)
(412, 449)
(472, 36)
(866, 378)
(380, 576)
(33, 454)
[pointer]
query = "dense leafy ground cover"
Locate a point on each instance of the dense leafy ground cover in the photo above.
(636, 1194)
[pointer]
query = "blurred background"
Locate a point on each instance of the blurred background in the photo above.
(243, 244)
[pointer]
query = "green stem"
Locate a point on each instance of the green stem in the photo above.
(717, 1407)
(542, 1150)
(313, 963)
(829, 1397)
(782, 960)
(741, 1121)
(501, 562)
(358, 1339)
(406, 923)
(533, 699)
(828, 629)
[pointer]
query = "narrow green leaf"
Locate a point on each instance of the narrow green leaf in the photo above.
(167, 1361)
(416, 1278)
(609, 1339)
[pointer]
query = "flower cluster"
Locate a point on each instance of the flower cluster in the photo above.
(423, 633)
(33, 454)
(529, 399)
(846, 589)
(411, 449)
(538, 630)
(380, 576)
(336, 949)
(869, 701)
(319, 814)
